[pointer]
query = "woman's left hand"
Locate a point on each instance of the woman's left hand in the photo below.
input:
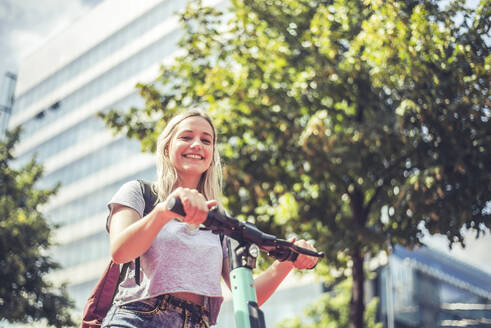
(305, 261)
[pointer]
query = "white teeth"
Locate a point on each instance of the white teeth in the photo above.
(194, 156)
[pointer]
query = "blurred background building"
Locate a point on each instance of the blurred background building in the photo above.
(424, 288)
(93, 66)
(7, 89)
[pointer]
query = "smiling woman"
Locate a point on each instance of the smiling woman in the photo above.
(181, 266)
(192, 133)
(191, 150)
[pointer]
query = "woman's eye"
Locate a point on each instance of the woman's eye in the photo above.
(185, 138)
(206, 141)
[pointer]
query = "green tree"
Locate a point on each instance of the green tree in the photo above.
(354, 123)
(332, 310)
(26, 295)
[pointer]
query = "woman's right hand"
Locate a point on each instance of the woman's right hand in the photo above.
(130, 236)
(194, 203)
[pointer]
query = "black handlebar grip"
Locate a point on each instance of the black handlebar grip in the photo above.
(293, 257)
(174, 205)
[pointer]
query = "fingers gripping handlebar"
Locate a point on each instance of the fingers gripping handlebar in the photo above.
(218, 222)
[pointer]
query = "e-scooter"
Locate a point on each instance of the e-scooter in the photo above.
(244, 244)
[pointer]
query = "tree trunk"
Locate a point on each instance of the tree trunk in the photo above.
(357, 306)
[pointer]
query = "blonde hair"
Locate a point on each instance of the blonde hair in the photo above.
(210, 184)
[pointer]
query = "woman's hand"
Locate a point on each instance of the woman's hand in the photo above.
(195, 205)
(304, 261)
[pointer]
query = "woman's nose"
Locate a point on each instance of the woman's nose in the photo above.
(196, 143)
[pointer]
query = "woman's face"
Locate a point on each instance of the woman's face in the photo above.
(191, 147)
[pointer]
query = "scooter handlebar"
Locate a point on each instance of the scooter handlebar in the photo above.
(217, 222)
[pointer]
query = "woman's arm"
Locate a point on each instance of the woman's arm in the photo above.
(226, 272)
(268, 281)
(130, 236)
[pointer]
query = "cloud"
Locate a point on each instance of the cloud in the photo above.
(26, 24)
(21, 40)
(476, 253)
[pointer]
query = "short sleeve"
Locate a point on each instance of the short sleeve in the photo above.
(130, 195)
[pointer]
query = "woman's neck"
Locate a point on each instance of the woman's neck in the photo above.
(190, 182)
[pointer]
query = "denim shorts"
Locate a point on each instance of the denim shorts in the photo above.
(164, 311)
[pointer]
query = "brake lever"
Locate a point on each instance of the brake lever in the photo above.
(288, 251)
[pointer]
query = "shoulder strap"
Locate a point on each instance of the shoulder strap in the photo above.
(150, 198)
(121, 276)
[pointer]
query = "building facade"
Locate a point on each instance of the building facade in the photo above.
(7, 89)
(424, 288)
(90, 67)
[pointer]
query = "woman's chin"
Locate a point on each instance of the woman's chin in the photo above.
(193, 169)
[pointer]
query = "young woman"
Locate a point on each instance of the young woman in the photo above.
(181, 265)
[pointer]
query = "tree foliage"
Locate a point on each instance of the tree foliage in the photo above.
(353, 123)
(26, 295)
(331, 310)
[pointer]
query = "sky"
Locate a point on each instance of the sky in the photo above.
(26, 24)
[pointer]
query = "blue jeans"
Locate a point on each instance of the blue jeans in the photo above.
(155, 312)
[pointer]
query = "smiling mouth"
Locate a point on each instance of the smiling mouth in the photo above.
(193, 156)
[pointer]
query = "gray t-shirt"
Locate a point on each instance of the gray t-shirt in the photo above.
(179, 259)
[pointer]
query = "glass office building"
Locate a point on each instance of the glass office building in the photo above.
(7, 89)
(90, 67)
(424, 288)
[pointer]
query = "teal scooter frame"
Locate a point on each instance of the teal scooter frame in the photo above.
(244, 244)
(242, 259)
